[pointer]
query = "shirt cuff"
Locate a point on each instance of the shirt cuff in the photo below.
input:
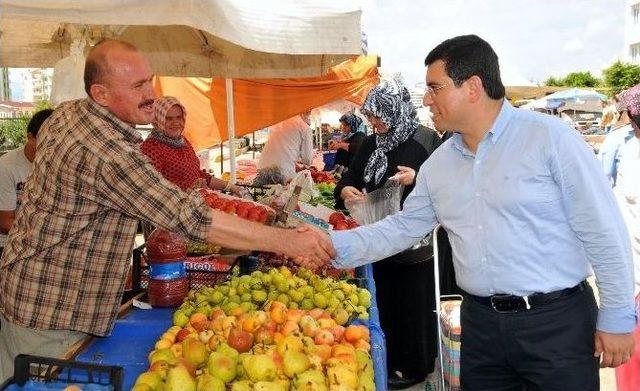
(346, 254)
(617, 320)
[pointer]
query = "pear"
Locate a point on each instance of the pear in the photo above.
(179, 379)
(260, 367)
(228, 351)
(290, 342)
(313, 376)
(366, 382)
(242, 385)
(222, 367)
(340, 375)
(151, 379)
(294, 363)
(207, 382)
(194, 351)
(267, 386)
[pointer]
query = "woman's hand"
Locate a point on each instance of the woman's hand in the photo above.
(333, 145)
(405, 175)
(349, 192)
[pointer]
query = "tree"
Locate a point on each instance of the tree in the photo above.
(573, 79)
(553, 82)
(620, 76)
(580, 79)
(13, 131)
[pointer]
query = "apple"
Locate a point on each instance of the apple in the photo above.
(240, 340)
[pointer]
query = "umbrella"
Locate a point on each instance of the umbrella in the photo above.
(201, 38)
(576, 95)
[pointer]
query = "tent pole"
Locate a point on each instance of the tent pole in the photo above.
(253, 141)
(231, 128)
(221, 157)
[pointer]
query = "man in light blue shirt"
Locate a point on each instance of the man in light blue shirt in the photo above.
(529, 214)
(609, 151)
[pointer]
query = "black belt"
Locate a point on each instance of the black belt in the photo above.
(510, 303)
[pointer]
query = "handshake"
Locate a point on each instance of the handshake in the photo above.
(308, 246)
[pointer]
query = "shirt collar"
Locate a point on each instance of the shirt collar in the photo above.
(128, 131)
(505, 114)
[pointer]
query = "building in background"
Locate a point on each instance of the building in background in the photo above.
(632, 31)
(30, 84)
(10, 109)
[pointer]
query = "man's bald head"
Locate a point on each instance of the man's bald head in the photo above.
(98, 66)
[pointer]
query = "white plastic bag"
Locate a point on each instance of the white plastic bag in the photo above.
(305, 181)
(376, 205)
(68, 75)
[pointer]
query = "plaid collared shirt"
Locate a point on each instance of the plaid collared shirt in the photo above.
(66, 257)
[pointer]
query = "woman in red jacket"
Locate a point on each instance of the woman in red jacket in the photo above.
(172, 155)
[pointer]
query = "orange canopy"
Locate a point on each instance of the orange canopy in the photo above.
(259, 103)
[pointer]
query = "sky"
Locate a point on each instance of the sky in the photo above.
(533, 38)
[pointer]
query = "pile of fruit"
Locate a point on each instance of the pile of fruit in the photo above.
(302, 290)
(271, 260)
(196, 248)
(274, 348)
(341, 222)
(237, 206)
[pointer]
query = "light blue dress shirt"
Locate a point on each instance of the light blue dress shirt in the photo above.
(609, 151)
(529, 212)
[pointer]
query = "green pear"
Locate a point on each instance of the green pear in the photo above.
(366, 382)
(267, 386)
(179, 379)
(242, 385)
(222, 367)
(340, 375)
(260, 367)
(151, 379)
(312, 376)
(294, 362)
(207, 382)
(228, 351)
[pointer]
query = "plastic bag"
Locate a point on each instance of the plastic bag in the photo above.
(376, 205)
(305, 181)
(68, 75)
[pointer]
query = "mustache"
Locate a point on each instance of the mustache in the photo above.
(146, 103)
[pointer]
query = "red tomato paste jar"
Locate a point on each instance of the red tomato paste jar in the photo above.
(168, 282)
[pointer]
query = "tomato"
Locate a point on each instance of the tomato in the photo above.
(335, 217)
(230, 208)
(254, 213)
(340, 226)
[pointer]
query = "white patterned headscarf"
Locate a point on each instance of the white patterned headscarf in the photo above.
(391, 102)
(160, 108)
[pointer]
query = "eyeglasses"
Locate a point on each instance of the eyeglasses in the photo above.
(434, 90)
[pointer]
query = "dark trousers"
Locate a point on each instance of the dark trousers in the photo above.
(547, 348)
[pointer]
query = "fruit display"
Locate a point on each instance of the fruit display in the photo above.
(242, 208)
(266, 345)
(270, 260)
(300, 290)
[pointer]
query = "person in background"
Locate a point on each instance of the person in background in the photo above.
(398, 148)
(610, 115)
(15, 166)
(63, 269)
(353, 133)
(289, 142)
(172, 154)
(627, 192)
(529, 215)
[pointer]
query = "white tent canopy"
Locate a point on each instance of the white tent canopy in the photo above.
(231, 38)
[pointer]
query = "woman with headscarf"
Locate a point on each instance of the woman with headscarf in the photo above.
(172, 155)
(404, 281)
(352, 135)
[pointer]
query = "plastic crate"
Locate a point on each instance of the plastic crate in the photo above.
(35, 373)
(329, 160)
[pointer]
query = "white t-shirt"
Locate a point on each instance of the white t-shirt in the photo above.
(14, 169)
(289, 141)
(627, 192)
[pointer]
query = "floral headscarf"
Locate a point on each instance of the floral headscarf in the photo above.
(160, 108)
(354, 122)
(390, 101)
(631, 100)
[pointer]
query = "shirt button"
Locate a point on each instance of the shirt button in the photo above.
(477, 161)
(491, 291)
(477, 194)
(479, 226)
(484, 259)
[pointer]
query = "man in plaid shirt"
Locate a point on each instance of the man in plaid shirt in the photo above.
(63, 269)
